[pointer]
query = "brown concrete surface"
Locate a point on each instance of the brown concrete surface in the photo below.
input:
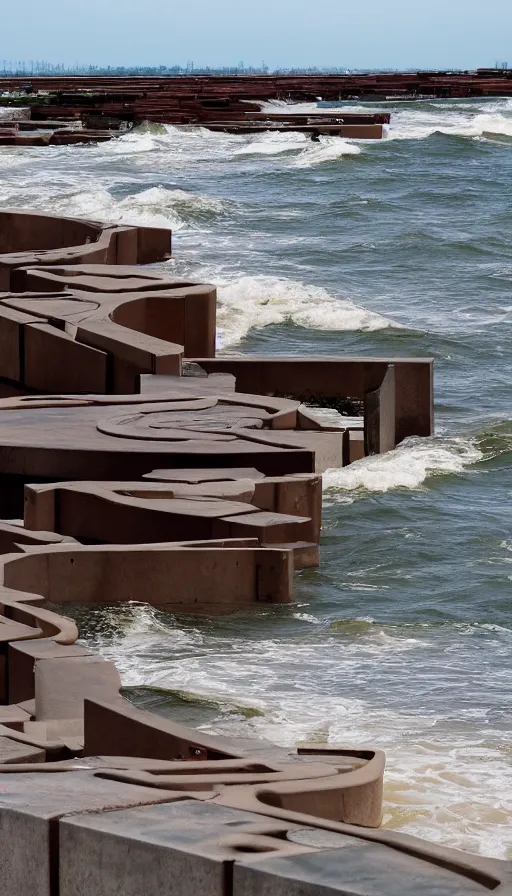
(275, 511)
(30, 238)
(192, 485)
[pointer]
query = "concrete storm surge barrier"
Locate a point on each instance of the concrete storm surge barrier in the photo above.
(135, 465)
(90, 109)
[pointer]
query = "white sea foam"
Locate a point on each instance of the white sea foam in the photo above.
(157, 207)
(473, 120)
(408, 466)
(246, 302)
(418, 124)
(269, 144)
(281, 107)
(447, 774)
(328, 149)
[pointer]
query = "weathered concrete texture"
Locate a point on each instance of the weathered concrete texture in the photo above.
(23, 658)
(203, 849)
(125, 437)
(191, 844)
(30, 806)
(352, 869)
(332, 377)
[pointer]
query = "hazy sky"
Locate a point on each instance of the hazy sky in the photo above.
(358, 34)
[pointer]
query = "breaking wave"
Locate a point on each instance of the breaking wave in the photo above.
(269, 144)
(483, 120)
(419, 119)
(157, 207)
(248, 302)
(408, 466)
(446, 778)
(328, 149)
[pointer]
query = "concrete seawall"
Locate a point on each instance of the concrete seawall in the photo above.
(134, 464)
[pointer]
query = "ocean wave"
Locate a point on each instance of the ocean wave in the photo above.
(364, 626)
(170, 146)
(247, 302)
(328, 149)
(417, 120)
(273, 144)
(408, 466)
(448, 770)
(156, 207)
(281, 107)
(419, 125)
(145, 693)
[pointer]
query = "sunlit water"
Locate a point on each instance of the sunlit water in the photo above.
(403, 637)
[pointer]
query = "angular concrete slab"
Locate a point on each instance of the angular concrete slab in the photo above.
(355, 869)
(30, 806)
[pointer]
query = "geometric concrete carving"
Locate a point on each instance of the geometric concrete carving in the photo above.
(125, 437)
(277, 511)
(410, 385)
(96, 328)
(33, 238)
(191, 485)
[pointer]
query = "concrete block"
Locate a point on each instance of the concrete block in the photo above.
(62, 684)
(13, 717)
(12, 751)
(357, 868)
(22, 656)
(49, 352)
(30, 806)
(172, 848)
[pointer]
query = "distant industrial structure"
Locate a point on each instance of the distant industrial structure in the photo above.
(40, 68)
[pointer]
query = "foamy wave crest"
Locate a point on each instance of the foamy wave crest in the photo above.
(145, 138)
(157, 207)
(281, 107)
(408, 466)
(329, 149)
(417, 124)
(169, 143)
(248, 302)
(269, 144)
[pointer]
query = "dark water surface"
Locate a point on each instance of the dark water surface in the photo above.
(403, 637)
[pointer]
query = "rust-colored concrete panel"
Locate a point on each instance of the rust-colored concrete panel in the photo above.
(335, 377)
(153, 244)
(12, 327)
(379, 416)
(51, 353)
(31, 238)
(134, 512)
(186, 579)
(202, 493)
(118, 728)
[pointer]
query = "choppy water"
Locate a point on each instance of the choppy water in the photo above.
(403, 637)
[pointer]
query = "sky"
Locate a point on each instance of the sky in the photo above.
(282, 33)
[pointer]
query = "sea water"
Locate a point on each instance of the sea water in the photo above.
(402, 247)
